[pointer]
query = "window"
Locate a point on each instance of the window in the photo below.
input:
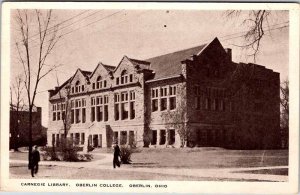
(54, 112)
(124, 105)
(162, 140)
(154, 101)
(106, 108)
(82, 138)
(172, 97)
(93, 85)
(117, 110)
(207, 103)
(93, 109)
(117, 81)
(63, 114)
(130, 78)
(77, 87)
(83, 104)
(132, 105)
(99, 108)
(124, 77)
(154, 137)
(222, 105)
(163, 100)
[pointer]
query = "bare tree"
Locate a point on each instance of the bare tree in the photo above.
(34, 62)
(256, 22)
(65, 105)
(284, 102)
(16, 106)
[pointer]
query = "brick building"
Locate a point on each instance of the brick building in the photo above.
(194, 97)
(19, 127)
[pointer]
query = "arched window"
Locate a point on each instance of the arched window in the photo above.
(99, 82)
(124, 77)
(77, 87)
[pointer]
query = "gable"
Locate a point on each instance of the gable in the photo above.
(170, 64)
(101, 70)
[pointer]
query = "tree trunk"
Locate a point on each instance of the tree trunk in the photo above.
(30, 136)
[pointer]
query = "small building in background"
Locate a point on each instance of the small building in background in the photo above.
(19, 127)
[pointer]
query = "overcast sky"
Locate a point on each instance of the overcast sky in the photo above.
(108, 35)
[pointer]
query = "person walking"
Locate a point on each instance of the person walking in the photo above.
(117, 154)
(34, 161)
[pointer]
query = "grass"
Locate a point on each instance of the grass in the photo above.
(208, 158)
(267, 171)
(20, 171)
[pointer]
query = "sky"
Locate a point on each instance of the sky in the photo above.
(93, 36)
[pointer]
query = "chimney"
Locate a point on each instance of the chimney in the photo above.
(229, 53)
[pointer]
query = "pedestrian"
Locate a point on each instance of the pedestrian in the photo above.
(117, 154)
(34, 161)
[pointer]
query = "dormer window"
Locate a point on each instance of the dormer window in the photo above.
(125, 78)
(77, 87)
(100, 83)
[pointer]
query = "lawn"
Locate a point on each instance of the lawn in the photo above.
(208, 158)
(20, 171)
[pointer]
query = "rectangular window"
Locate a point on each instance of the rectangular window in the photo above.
(162, 140)
(222, 106)
(104, 83)
(124, 111)
(54, 116)
(58, 116)
(93, 114)
(93, 85)
(72, 89)
(172, 103)
(154, 137)
(105, 112)
(117, 81)
(154, 102)
(132, 110)
(72, 116)
(53, 139)
(163, 104)
(83, 115)
(101, 113)
(130, 78)
(207, 103)
(82, 138)
(63, 115)
(172, 97)
(117, 112)
(82, 88)
(154, 105)
(98, 113)
(215, 104)
(77, 115)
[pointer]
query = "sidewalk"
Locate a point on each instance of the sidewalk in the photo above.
(230, 173)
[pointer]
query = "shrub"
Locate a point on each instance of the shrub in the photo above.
(126, 153)
(66, 151)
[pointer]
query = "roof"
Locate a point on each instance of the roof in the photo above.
(109, 67)
(170, 64)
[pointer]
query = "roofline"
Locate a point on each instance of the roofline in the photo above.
(165, 78)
